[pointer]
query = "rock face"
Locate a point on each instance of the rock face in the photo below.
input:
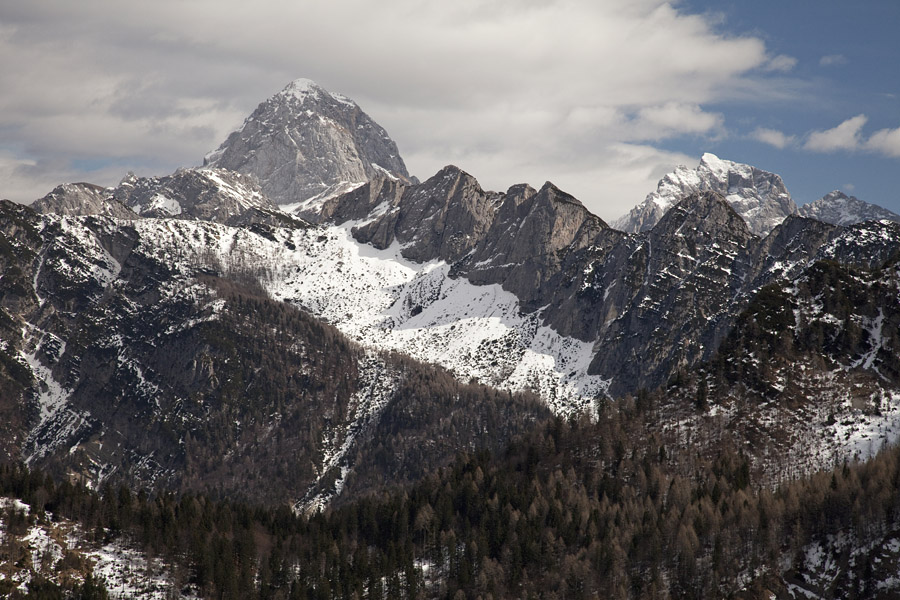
(529, 241)
(839, 209)
(442, 218)
(215, 195)
(77, 199)
(758, 196)
(651, 303)
(673, 291)
(304, 140)
(209, 194)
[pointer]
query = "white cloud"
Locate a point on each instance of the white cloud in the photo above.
(846, 136)
(772, 137)
(885, 141)
(511, 90)
(672, 118)
(832, 60)
(782, 63)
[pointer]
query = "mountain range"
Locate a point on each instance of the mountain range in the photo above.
(301, 322)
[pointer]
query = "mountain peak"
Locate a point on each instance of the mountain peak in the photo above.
(758, 196)
(558, 195)
(306, 140)
(301, 87)
(837, 208)
(306, 89)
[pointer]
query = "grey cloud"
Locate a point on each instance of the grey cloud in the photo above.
(511, 91)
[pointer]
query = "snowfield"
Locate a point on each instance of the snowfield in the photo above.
(384, 301)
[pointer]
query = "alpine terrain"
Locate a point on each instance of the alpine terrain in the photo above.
(300, 372)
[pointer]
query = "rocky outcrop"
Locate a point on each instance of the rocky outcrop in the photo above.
(304, 140)
(443, 218)
(80, 199)
(529, 240)
(838, 208)
(671, 293)
(758, 196)
(216, 195)
(788, 249)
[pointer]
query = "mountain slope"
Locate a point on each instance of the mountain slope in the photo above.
(668, 296)
(305, 140)
(146, 352)
(215, 195)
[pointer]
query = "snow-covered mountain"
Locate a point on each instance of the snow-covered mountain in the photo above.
(758, 196)
(838, 208)
(146, 350)
(304, 141)
(523, 290)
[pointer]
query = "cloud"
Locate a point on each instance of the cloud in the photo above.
(673, 119)
(25, 180)
(832, 60)
(846, 136)
(511, 90)
(772, 137)
(781, 63)
(885, 141)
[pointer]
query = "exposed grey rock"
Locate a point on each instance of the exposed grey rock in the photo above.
(529, 240)
(870, 244)
(209, 194)
(789, 249)
(80, 199)
(758, 196)
(671, 292)
(444, 217)
(305, 140)
(366, 202)
(838, 208)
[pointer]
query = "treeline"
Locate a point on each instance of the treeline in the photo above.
(572, 510)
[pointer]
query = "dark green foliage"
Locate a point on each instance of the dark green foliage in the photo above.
(573, 509)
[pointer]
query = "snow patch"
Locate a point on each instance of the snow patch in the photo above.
(164, 204)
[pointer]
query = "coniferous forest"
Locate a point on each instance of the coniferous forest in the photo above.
(573, 509)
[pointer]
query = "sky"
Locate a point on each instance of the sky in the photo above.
(601, 97)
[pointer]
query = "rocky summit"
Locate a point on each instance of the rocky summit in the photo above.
(838, 208)
(304, 141)
(758, 196)
(82, 199)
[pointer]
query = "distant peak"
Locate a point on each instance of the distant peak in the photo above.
(451, 171)
(836, 195)
(719, 166)
(303, 89)
(558, 195)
